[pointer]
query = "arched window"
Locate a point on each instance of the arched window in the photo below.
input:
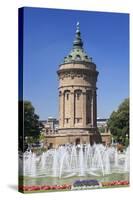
(78, 94)
(78, 120)
(67, 93)
(89, 95)
(60, 93)
(78, 57)
(67, 120)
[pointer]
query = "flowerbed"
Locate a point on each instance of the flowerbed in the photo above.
(44, 187)
(115, 183)
(77, 185)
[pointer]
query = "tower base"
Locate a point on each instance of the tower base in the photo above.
(73, 136)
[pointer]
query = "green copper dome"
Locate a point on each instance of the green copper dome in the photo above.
(77, 53)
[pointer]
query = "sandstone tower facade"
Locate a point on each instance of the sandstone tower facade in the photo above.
(77, 98)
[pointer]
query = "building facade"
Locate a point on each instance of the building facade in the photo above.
(104, 131)
(77, 97)
(50, 126)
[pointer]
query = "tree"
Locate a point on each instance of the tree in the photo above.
(101, 129)
(118, 122)
(42, 137)
(32, 126)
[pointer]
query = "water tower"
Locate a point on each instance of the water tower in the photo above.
(77, 96)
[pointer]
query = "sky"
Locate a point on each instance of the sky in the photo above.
(48, 38)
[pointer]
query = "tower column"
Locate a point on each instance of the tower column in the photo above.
(72, 110)
(84, 109)
(95, 108)
(92, 109)
(61, 109)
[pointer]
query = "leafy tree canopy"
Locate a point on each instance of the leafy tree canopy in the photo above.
(32, 126)
(118, 122)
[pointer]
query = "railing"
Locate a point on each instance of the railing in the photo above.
(50, 133)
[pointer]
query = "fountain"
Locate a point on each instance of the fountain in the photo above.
(71, 160)
(127, 160)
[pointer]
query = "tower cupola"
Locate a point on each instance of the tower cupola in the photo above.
(77, 54)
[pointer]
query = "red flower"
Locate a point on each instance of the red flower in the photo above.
(115, 183)
(44, 187)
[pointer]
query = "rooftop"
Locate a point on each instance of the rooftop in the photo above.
(77, 53)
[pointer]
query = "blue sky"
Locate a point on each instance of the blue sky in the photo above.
(48, 37)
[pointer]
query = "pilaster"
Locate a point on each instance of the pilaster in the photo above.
(84, 109)
(72, 110)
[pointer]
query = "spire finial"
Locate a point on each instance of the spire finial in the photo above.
(78, 41)
(78, 27)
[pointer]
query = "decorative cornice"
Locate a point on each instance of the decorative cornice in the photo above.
(77, 62)
(78, 70)
(86, 74)
(78, 86)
